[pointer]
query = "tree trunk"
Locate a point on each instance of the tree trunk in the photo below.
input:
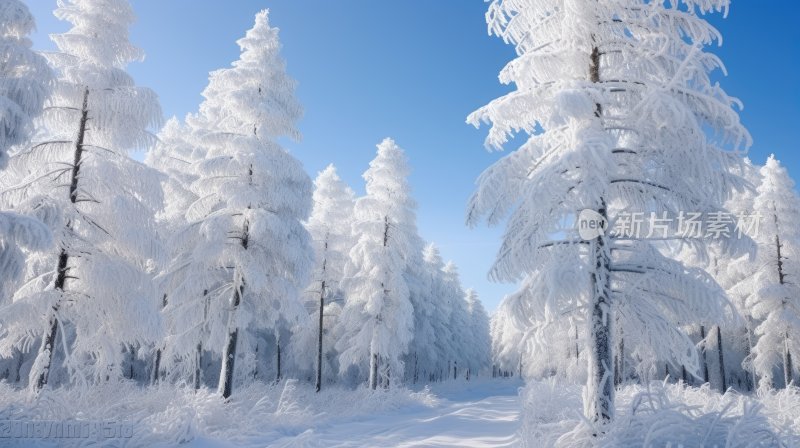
(278, 370)
(703, 353)
(787, 363)
(600, 399)
(373, 371)
(198, 365)
(199, 357)
(416, 368)
(724, 382)
(600, 405)
(48, 341)
(455, 370)
(156, 367)
(751, 377)
(319, 336)
(229, 356)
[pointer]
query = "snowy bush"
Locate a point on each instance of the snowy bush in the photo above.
(660, 414)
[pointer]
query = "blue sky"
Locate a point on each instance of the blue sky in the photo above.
(413, 70)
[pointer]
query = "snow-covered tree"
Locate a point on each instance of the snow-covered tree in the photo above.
(460, 320)
(622, 116)
(174, 155)
(98, 200)
(330, 226)
(24, 77)
(24, 83)
(479, 343)
(433, 340)
(252, 198)
(775, 292)
(377, 319)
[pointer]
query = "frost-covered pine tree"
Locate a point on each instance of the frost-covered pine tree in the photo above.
(460, 320)
(433, 340)
(24, 84)
(98, 201)
(330, 226)
(480, 343)
(377, 319)
(775, 292)
(616, 99)
(244, 273)
(174, 156)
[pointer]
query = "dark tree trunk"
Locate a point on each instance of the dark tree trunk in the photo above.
(703, 353)
(228, 361)
(600, 406)
(278, 370)
(229, 356)
(48, 341)
(199, 356)
(787, 363)
(724, 381)
(319, 345)
(373, 372)
(319, 335)
(198, 366)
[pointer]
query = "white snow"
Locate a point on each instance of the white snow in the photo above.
(478, 413)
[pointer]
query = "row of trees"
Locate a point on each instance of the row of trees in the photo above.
(622, 117)
(217, 261)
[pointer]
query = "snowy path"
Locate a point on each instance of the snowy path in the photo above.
(483, 415)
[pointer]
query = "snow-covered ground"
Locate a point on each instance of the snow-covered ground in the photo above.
(477, 413)
(483, 414)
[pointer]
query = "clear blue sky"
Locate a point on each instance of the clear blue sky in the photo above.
(413, 70)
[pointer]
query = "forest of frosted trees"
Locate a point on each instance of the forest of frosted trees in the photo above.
(218, 263)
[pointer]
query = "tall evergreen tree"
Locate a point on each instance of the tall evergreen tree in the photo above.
(24, 84)
(617, 100)
(330, 226)
(100, 201)
(775, 293)
(252, 198)
(378, 316)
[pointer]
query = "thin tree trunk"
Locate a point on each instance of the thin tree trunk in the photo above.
(455, 370)
(787, 363)
(703, 353)
(199, 356)
(751, 377)
(278, 370)
(600, 399)
(373, 371)
(319, 339)
(416, 368)
(48, 341)
(724, 382)
(156, 367)
(157, 364)
(198, 365)
(229, 356)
